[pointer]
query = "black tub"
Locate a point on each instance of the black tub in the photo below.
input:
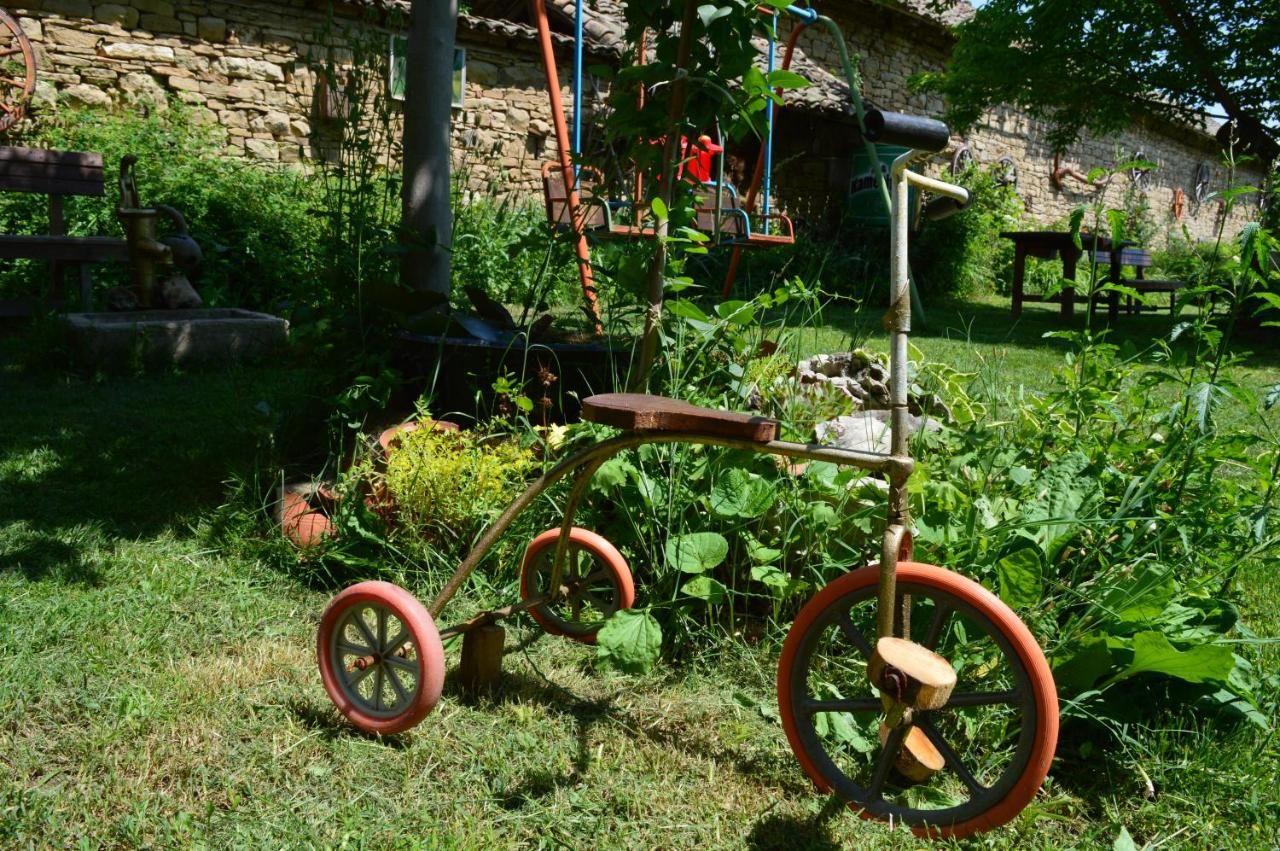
(459, 372)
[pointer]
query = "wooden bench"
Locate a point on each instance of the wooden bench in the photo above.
(1140, 261)
(58, 174)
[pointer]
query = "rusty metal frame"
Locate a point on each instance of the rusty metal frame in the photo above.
(584, 464)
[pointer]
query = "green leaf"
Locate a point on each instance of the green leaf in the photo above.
(1137, 599)
(738, 493)
(696, 552)
(1273, 397)
(706, 588)
(630, 641)
(1082, 667)
(686, 309)
(1153, 654)
(709, 13)
(758, 552)
(780, 79)
(1021, 578)
(659, 208)
(736, 312)
(1124, 842)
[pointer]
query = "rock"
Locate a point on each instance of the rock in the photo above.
(211, 29)
(263, 149)
(143, 52)
(110, 13)
(86, 95)
(868, 431)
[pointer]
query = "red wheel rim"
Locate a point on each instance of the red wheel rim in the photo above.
(380, 657)
(597, 580)
(1032, 697)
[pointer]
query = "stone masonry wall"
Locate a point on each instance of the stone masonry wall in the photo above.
(247, 67)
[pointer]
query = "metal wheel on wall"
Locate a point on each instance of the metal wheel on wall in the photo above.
(17, 71)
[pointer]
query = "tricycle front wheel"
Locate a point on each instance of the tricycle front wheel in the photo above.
(594, 584)
(380, 657)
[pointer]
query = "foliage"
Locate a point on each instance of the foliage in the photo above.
(447, 485)
(1164, 58)
(262, 247)
(964, 254)
(506, 249)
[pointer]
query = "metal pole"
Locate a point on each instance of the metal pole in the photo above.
(580, 246)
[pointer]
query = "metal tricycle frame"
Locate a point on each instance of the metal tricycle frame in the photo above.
(908, 690)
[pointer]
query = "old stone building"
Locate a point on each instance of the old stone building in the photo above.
(253, 68)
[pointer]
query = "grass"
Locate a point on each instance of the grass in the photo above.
(159, 690)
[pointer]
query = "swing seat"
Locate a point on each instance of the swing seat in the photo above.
(736, 223)
(596, 212)
(641, 412)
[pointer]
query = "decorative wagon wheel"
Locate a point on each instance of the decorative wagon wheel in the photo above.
(17, 71)
(1201, 189)
(1140, 175)
(1006, 172)
(961, 160)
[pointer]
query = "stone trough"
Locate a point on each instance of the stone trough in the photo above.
(185, 338)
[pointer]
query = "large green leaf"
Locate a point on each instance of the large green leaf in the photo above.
(696, 552)
(1021, 576)
(630, 641)
(706, 588)
(1153, 654)
(738, 493)
(1063, 497)
(1080, 667)
(1139, 598)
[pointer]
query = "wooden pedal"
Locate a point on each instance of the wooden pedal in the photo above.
(927, 679)
(918, 760)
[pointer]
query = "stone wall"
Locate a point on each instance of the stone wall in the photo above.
(249, 68)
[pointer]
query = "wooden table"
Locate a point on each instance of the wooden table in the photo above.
(1047, 244)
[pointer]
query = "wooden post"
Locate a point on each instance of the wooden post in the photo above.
(481, 668)
(1019, 276)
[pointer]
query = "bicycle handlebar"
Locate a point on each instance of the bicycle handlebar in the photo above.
(909, 131)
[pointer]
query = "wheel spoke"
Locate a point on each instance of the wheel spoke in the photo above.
(382, 630)
(595, 576)
(402, 696)
(10, 51)
(357, 649)
(403, 664)
(377, 688)
(18, 84)
(844, 704)
(982, 698)
(397, 642)
(855, 636)
(951, 757)
(355, 617)
(939, 620)
(888, 753)
(601, 606)
(360, 675)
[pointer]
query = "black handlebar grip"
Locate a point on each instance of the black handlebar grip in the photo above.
(909, 131)
(940, 208)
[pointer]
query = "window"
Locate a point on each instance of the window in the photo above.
(400, 64)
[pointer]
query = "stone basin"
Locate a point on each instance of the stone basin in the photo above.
(186, 338)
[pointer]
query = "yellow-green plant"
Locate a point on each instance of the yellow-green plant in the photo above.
(449, 484)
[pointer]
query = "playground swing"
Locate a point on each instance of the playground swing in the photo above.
(572, 191)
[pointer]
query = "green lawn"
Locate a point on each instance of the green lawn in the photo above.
(161, 691)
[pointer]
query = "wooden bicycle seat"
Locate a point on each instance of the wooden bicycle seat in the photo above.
(640, 412)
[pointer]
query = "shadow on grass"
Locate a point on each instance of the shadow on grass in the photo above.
(133, 456)
(46, 557)
(775, 833)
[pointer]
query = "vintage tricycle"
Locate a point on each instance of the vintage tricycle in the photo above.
(910, 692)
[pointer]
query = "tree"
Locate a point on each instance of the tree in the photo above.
(428, 220)
(1096, 65)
